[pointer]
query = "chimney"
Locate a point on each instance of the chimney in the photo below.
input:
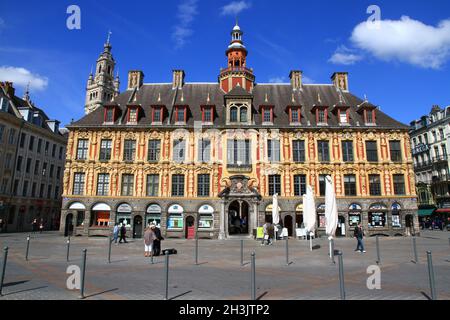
(135, 79)
(9, 89)
(178, 79)
(296, 79)
(340, 80)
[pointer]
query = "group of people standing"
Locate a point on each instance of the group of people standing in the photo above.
(152, 241)
(35, 226)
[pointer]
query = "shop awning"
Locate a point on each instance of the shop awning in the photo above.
(444, 210)
(425, 212)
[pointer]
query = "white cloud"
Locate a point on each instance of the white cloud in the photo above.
(22, 77)
(405, 40)
(305, 80)
(277, 80)
(345, 56)
(235, 7)
(186, 13)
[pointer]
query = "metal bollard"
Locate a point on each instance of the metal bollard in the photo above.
(341, 275)
(68, 249)
(109, 249)
(196, 250)
(28, 247)
(166, 271)
(253, 275)
(416, 259)
(287, 251)
(2, 278)
(378, 250)
(431, 276)
(242, 253)
(332, 251)
(83, 273)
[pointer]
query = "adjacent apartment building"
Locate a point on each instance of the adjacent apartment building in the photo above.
(430, 139)
(208, 157)
(32, 160)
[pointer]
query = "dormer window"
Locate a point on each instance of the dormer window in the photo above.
(207, 114)
(239, 113)
(233, 114)
(109, 115)
(370, 116)
(267, 115)
(157, 114)
(181, 115)
(133, 115)
(294, 114)
(243, 116)
(321, 117)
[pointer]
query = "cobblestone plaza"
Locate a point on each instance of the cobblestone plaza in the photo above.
(219, 274)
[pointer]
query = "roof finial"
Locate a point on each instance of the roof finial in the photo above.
(293, 98)
(182, 96)
(318, 98)
(237, 21)
(26, 96)
(159, 97)
(365, 98)
(208, 99)
(267, 98)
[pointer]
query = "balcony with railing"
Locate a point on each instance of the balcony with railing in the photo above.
(440, 158)
(236, 69)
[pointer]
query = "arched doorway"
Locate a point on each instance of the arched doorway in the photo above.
(409, 222)
(238, 218)
(137, 227)
(68, 230)
(288, 223)
(190, 227)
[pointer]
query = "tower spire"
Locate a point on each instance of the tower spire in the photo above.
(109, 37)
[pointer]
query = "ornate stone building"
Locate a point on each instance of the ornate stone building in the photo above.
(208, 157)
(33, 151)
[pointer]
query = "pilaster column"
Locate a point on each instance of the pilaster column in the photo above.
(222, 221)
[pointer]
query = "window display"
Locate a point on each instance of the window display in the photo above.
(154, 219)
(354, 219)
(206, 221)
(377, 219)
(175, 221)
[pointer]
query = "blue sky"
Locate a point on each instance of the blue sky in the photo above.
(402, 65)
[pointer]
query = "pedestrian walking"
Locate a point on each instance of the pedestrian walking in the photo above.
(123, 233)
(359, 235)
(116, 232)
(267, 227)
(1, 225)
(157, 241)
(34, 225)
(149, 238)
(41, 227)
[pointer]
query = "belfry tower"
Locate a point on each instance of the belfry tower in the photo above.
(102, 87)
(237, 72)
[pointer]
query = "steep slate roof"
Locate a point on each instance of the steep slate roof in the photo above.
(280, 96)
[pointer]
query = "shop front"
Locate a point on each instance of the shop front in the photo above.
(175, 222)
(78, 211)
(123, 217)
(205, 221)
(100, 220)
(153, 215)
(377, 219)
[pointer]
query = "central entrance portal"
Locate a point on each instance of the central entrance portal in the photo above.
(238, 218)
